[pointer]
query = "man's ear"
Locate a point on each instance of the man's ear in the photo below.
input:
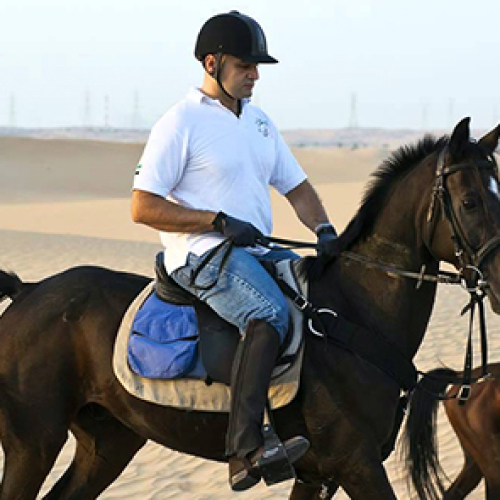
(209, 63)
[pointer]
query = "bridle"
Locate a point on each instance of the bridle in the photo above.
(469, 258)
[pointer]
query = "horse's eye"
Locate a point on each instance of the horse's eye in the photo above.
(469, 203)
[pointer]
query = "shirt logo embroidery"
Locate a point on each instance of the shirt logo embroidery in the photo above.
(262, 126)
(138, 169)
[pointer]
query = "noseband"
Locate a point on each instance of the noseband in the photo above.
(468, 257)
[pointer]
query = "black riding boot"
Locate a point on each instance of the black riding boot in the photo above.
(251, 374)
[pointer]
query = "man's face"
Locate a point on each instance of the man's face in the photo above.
(238, 77)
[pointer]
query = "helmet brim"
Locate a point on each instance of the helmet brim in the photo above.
(260, 59)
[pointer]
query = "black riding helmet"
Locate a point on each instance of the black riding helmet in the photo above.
(234, 34)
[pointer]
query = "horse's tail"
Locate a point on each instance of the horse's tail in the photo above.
(10, 285)
(420, 447)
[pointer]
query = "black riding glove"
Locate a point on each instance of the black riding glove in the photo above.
(327, 245)
(242, 234)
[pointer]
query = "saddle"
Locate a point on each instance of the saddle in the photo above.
(217, 345)
(218, 338)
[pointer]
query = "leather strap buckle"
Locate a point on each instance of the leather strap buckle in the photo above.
(301, 303)
(464, 393)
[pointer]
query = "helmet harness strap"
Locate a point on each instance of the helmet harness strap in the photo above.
(217, 73)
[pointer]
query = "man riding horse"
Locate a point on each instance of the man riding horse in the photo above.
(204, 177)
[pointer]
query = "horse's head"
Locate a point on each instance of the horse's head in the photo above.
(463, 220)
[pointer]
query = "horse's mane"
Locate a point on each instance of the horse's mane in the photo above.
(390, 172)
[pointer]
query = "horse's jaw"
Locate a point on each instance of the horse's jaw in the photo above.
(491, 274)
(494, 300)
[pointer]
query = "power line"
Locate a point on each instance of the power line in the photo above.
(106, 111)
(353, 117)
(451, 112)
(87, 120)
(12, 111)
(136, 116)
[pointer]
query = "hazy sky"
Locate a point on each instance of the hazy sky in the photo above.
(418, 64)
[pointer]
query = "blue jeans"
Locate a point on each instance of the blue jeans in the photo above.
(244, 290)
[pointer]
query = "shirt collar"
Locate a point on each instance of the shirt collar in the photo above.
(196, 95)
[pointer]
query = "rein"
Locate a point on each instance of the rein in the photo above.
(477, 297)
(468, 257)
(476, 300)
(445, 277)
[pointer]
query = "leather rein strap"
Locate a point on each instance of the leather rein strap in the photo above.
(468, 257)
(373, 347)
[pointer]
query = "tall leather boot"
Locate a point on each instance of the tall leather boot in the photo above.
(250, 378)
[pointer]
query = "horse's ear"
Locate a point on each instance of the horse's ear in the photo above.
(459, 139)
(489, 142)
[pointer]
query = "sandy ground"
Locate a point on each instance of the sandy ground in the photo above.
(66, 202)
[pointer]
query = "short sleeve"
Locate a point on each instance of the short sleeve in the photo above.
(163, 159)
(287, 173)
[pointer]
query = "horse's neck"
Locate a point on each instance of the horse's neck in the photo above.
(382, 301)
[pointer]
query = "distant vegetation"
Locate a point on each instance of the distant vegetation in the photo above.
(343, 138)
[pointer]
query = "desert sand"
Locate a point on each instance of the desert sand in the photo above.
(66, 202)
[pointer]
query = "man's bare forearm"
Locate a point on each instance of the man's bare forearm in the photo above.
(163, 215)
(307, 205)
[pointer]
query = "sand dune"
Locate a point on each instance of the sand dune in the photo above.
(65, 203)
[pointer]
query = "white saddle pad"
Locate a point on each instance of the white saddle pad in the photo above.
(195, 394)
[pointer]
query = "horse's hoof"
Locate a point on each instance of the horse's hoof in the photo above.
(274, 464)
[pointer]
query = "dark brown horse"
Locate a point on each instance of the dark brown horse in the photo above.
(56, 340)
(477, 426)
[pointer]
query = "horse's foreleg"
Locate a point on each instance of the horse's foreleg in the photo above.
(366, 480)
(28, 461)
(104, 448)
(466, 481)
(303, 491)
(492, 490)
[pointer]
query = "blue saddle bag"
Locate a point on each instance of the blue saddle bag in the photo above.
(164, 342)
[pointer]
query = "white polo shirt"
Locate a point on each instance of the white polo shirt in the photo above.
(203, 156)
